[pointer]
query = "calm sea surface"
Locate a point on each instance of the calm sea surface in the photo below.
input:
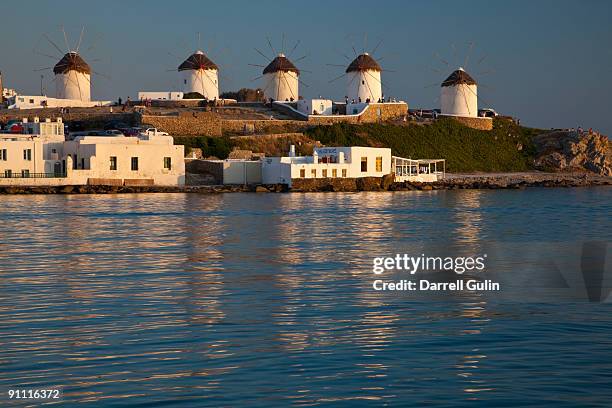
(267, 299)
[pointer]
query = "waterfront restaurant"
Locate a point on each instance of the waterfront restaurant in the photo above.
(348, 162)
(40, 156)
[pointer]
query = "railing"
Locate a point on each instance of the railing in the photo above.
(33, 175)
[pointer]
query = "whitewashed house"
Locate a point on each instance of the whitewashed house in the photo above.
(315, 106)
(42, 157)
(328, 162)
(349, 162)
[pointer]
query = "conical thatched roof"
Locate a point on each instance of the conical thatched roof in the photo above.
(363, 62)
(72, 62)
(459, 77)
(197, 60)
(281, 63)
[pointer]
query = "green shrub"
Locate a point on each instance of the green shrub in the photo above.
(211, 146)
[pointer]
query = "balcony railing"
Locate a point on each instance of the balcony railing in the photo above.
(33, 175)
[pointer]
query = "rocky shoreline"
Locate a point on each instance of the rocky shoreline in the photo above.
(451, 182)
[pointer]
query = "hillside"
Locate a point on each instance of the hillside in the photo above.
(508, 147)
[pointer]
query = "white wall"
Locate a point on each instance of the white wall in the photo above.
(364, 85)
(73, 85)
(459, 100)
(281, 85)
(283, 169)
(315, 106)
(89, 157)
(37, 101)
(168, 96)
(203, 81)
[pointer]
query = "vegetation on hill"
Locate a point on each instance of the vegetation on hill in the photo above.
(508, 147)
(219, 147)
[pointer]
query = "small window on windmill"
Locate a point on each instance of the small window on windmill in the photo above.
(185, 81)
(362, 82)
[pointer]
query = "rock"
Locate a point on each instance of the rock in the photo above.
(562, 151)
(261, 189)
(387, 181)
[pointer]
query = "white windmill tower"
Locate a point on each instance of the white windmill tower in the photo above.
(459, 95)
(72, 77)
(363, 79)
(281, 77)
(201, 75)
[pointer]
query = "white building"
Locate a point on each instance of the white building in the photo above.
(42, 157)
(315, 106)
(199, 74)
(281, 79)
(363, 80)
(37, 102)
(459, 95)
(160, 96)
(349, 162)
(328, 162)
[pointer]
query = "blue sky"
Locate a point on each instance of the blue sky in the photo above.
(548, 63)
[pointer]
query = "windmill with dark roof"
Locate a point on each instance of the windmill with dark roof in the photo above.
(459, 95)
(281, 77)
(200, 75)
(363, 77)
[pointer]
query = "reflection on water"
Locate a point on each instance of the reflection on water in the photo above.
(194, 300)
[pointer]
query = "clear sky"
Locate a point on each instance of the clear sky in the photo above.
(548, 63)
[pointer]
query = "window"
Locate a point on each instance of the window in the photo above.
(168, 163)
(32, 101)
(25, 173)
(113, 162)
(82, 162)
(27, 154)
(362, 82)
(334, 172)
(324, 171)
(364, 164)
(8, 173)
(134, 163)
(302, 173)
(3, 155)
(379, 164)
(313, 173)
(343, 172)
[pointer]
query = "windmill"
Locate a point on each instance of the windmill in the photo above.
(459, 95)
(200, 75)
(459, 91)
(363, 76)
(72, 74)
(281, 76)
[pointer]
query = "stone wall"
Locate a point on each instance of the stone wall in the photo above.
(185, 123)
(246, 127)
(474, 123)
(339, 184)
(93, 117)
